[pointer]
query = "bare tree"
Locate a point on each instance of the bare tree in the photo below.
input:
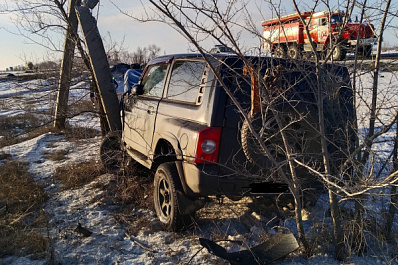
(350, 172)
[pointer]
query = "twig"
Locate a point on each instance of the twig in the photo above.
(197, 252)
(139, 244)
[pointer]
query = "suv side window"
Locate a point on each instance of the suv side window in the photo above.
(153, 80)
(185, 81)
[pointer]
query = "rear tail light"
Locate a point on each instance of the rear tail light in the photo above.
(208, 145)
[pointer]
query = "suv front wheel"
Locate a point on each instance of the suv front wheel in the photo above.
(112, 153)
(166, 186)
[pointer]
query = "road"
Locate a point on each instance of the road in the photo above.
(384, 56)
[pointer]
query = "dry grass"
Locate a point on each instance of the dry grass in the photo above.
(4, 155)
(135, 191)
(20, 128)
(57, 155)
(78, 174)
(131, 192)
(77, 133)
(22, 223)
(23, 127)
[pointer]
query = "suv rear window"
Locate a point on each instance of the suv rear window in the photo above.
(185, 81)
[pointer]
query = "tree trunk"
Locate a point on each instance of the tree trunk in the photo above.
(66, 68)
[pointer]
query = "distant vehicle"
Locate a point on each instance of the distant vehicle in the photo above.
(120, 68)
(221, 49)
(286, 36)
(131, 78)
(180, 123)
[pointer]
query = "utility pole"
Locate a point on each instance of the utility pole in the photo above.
(100, 66)
(66, 68)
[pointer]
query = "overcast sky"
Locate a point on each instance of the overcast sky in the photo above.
(16, 49)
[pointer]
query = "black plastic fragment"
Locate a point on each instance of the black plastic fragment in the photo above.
(271, 250)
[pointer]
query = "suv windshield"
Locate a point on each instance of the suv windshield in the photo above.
(152, 82)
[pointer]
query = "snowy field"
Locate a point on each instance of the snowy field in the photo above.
(236, 224)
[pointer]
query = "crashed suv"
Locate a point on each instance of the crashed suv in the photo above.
(184, 120)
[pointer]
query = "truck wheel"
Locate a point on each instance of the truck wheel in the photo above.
(294, 52)
(166, 186)
(112, 153)
(280, 52)
(338, 53)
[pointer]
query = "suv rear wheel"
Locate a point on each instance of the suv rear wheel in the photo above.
(166, 186)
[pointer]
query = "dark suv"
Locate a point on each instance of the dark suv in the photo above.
(181, 122)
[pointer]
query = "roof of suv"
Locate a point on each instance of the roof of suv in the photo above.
(166, 58)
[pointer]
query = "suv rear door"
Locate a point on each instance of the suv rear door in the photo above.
(140, 110)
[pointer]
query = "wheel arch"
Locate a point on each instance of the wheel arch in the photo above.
(166, 151)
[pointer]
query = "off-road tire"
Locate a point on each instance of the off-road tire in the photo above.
(166, 185)
(112, 154)
(250, 145)
(302, 139)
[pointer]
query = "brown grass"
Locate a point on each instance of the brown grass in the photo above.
(4, 155)
(134, 191)
(131, 192)
(78, 174)
(22, 222)
(57, 155)
(20, 128)
(78, 132)
(23, 127)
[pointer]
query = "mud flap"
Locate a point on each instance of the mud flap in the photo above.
(188, 206)
(271, 250)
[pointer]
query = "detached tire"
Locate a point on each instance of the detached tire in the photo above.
(166, 186)
(112, 154)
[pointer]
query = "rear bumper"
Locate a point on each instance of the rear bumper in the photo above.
(204, 180)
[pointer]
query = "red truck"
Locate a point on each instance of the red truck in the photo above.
(287, 37)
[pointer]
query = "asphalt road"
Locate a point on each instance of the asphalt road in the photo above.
(373, 56)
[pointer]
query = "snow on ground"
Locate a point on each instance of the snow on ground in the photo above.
(387, 97)
(109, 244)
(10, 113)
(90, 205)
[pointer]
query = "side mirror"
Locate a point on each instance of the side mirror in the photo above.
(137, 90)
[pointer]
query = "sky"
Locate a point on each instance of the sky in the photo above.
(16, 49)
